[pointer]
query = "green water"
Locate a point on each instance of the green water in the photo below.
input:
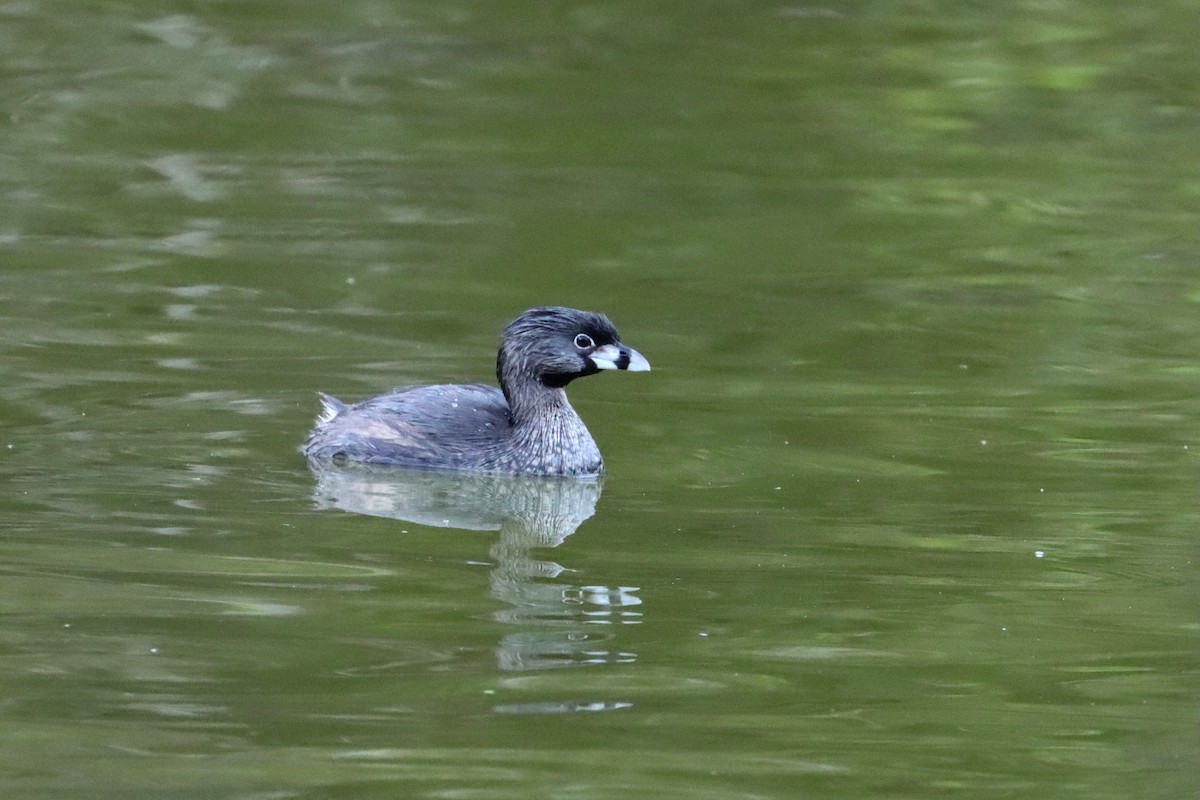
(906, 509)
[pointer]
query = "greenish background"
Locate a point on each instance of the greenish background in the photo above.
(906, 509)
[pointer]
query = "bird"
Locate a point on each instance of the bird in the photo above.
(525, 427)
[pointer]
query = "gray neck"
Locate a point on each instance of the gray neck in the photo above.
(550, 435)
(528, 399)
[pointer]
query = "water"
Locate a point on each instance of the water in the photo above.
(905, 509)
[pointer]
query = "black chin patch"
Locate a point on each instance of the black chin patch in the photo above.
(559, 380)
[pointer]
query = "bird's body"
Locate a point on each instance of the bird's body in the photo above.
(527, 426)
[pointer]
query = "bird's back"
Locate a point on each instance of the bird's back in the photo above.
(449, 426)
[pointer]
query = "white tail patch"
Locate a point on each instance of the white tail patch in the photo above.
(330, 408)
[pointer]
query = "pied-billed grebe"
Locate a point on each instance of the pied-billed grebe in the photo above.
(526, 426)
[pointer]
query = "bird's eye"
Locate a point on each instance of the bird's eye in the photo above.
(584, 342)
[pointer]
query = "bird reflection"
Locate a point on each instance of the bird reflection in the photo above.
(558, 620)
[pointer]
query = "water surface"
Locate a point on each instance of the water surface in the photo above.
(906, 508)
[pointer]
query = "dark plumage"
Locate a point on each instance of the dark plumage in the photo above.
(526, 426)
